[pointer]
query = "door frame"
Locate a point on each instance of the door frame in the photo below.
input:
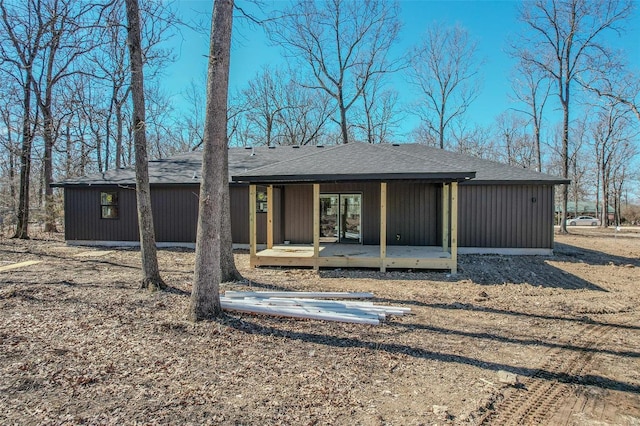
(339, 213)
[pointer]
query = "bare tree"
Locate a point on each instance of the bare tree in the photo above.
(344, 43)
(564, 42)
(111, 68)
(277, 110)
(515, 146)
(67, 37)
(379, 119)
(612, 136)
(23, 29)
(305, 119)
(9, 138)
(532, 87)
(205, 297)
(151, 273)
(193, 119)
(620, 87)
(444, 67)
(264, 98)
(473, 140)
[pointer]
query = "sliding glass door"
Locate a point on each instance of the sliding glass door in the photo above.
(340, 218)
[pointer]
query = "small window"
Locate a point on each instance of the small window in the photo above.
(109, 205)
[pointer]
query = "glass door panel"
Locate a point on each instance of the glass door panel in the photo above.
(350, 218)
(329, 218)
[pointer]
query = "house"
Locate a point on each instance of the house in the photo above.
(578, 208)
(353, 205)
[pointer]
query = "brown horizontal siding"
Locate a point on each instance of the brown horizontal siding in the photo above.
(509, 216)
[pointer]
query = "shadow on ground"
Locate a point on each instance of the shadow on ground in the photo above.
(417, 352)
(533, 270)
(569, 253)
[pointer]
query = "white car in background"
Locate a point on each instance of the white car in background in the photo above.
(583, 221)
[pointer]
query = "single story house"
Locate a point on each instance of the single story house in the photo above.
(581, 208)
(353, 205)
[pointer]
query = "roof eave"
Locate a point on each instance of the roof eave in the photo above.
(519, 182)
(378, 177)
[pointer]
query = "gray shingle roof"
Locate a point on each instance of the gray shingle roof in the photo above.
(354, 161)
(487, 171)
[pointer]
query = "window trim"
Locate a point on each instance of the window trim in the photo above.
(113, 205)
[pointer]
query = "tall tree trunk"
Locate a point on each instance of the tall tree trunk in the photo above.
(536, 132)
(228, 270)
(205, 297)
(565, 158)
(151, 273)
(343, 119)
(68, 167)
(119, 126)
(48, 136)
(605, 204)
(22, 226)
(441, 127)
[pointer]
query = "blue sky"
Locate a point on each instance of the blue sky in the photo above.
(491, 23)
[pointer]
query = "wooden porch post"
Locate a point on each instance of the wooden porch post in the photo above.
(252, 225)
(454, 227)
(316, 226)
(270, 216)
(445, 217)
(383, 226)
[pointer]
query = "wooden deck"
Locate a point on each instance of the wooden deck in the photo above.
(354, 256)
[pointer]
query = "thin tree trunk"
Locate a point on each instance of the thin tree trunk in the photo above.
(205, 297)
(565, 160)
(22, 226)
(536, 131)
(119, 125)
(228, 270)
(343, 119)
(441, 130)
(151, 274)
(49, 204)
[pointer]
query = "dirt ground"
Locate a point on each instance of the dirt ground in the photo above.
(509, 340)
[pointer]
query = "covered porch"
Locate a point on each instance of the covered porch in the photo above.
(381, 256)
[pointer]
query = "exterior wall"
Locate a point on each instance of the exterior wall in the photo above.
(413, 212)
(298, 213)
(507, 216)
(490, 216)
(175, 215)
(370, 217)
(239, 195)
(298, 210)
(82, 215)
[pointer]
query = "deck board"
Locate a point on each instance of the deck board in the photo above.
(355, 255)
